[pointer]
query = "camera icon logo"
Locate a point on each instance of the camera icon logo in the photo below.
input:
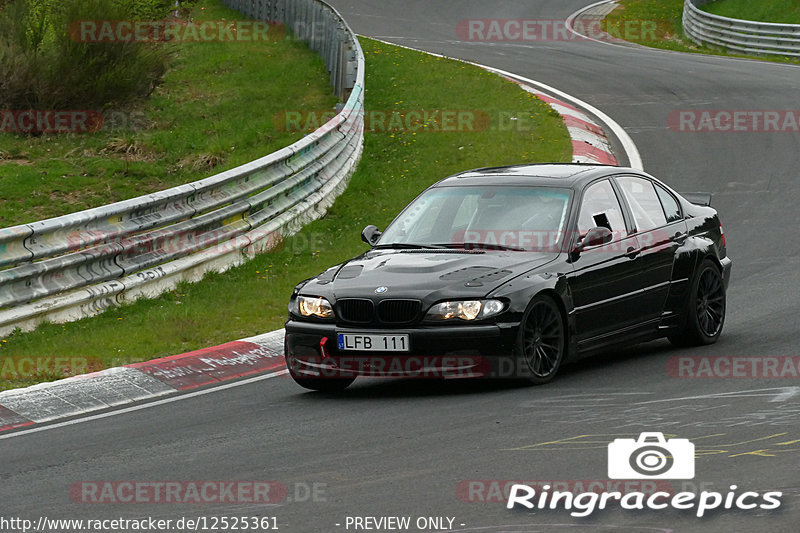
(651, 457)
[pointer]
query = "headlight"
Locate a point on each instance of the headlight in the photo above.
(318, 307)
(465, 310)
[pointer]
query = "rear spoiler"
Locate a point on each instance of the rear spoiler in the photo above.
(698, 198)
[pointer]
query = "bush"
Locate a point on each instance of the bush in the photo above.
(42, 67)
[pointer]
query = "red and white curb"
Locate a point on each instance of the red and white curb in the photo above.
(119, 386)
(589, 141)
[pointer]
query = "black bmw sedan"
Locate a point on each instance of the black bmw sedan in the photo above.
(511, 271)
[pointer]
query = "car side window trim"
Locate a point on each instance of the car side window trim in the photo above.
(659, 189)
(630, 221)
(633, 228)
(580, 203)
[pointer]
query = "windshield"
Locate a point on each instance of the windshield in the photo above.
(490, 216)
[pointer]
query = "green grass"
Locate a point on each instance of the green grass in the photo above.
(667, 18)
(394, 168)
(666, 15)
(783, 11)
(199, 122)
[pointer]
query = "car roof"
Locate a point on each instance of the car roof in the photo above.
(573, 175)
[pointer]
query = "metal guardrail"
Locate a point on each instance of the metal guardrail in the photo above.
(739, 35)
(77, 265)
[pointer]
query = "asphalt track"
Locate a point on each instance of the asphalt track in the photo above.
(408, 448)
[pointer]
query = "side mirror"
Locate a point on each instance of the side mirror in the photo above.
(370, 235)
(596, 237)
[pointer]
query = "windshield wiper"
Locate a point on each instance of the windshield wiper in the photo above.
(482, 246)
(409, 246)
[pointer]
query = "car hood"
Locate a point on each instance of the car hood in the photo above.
(424, 274)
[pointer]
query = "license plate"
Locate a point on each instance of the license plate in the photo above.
(368, 342)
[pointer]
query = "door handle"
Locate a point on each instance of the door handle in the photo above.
(680, 238)
(632, 252)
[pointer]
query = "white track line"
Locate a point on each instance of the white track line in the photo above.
(144, 405)
(571, 22)
(779, 394)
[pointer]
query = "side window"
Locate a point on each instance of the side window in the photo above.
(670, 204)
(644, 202)
(600, 207)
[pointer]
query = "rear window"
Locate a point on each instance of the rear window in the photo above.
(671, 207)
(644, 202)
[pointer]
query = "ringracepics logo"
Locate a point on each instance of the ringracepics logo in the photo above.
(651, 456)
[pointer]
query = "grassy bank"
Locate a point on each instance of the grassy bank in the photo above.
(395, 167)
(783, 11)
(665, 17)
(199, 122)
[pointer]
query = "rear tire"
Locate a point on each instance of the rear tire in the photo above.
(706, 313)
(542, 340)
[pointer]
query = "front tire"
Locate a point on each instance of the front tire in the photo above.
(705, 315)
(542, 340)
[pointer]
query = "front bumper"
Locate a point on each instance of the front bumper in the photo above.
(436, 351)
